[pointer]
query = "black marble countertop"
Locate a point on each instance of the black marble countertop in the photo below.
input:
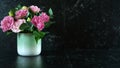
(78, 58)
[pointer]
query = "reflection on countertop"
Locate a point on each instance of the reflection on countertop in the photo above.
(29, 62)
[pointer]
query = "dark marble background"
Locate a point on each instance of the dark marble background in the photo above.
(80, 24)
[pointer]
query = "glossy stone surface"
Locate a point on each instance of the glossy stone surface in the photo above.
(89, 58)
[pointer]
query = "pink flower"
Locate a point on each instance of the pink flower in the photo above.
(21, 13)
(7, 23)
(35, 9)
(38, 22)
(17, 24)
(45, 17)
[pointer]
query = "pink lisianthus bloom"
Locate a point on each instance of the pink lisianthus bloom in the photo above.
(38, 22)
(21, 13)
(16, 26)
(7, 23)
(45, 17)
(34, 9)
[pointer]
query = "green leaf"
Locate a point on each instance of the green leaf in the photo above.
(18, 7)
(28, 14)
(11, 12)
(48, 24)
(50, 12)
(24, 26)
(36, 39)
(28, 19)
(8, 33)
(42, 34)
(31, 27)
(38, 35)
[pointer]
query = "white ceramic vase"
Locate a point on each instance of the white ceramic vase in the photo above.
(27, 46)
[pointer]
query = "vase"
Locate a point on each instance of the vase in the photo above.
(27, 45)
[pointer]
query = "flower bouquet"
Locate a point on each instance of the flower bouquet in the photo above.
(29, 20)
(24, 19)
